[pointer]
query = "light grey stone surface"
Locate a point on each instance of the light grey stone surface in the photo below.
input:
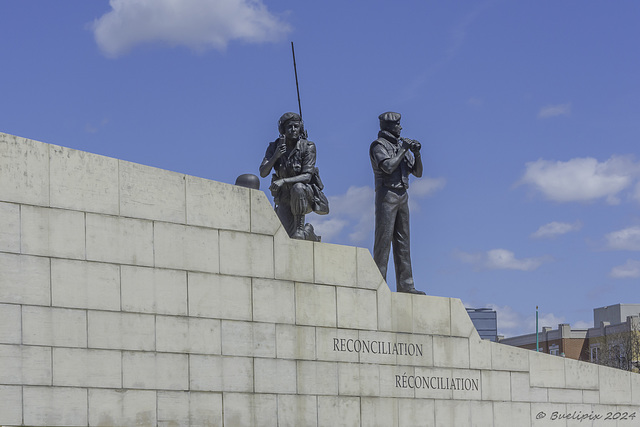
(188, 335)
(263, 218)
(152, 193)
(480, 353)
(259, 410)
(220, 373)
(379, 412)
(275, 376)
(24, 170)
(82, 284)
(357, 308)
(615, 386)
(582, 375)
(58, 327)
(119, 240)
(122, 407)
(153, 290)
(55, 406)
(28, 365)
(521, 391)
(332, 344)
(273, 301)
(358, 379)
(416, 412)
(315, 305)
(176, 408)
(450, 352)
(52, 232)
(509, 414)
(248, 339)
(245, 254)
(10, 405)
(25, 279)
(122, 331)
(295, 342)
(78, 367)
(508, 358)
(319, 378)
(297, 410)
(496, 385)
(431, 315)
(368, 275)
(186, 247)
(461, 324)
(563, 395)
(219, 297)
(9, 227)
(334, 264)
(217, 205)
(338, 411)
(159, 371)
(83, 181)
(10, 324)
(546, 370)
(402, 312)
(293, 258)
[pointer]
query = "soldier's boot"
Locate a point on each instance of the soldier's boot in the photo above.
(299, 232)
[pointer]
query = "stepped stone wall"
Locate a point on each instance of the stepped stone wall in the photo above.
(131, 295)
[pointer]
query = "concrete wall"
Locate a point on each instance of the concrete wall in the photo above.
(135, 296)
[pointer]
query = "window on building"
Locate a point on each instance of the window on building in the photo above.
(594, 353)
(554, 349)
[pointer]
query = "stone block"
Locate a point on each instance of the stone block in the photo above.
(414, 350)
(275, 376)
(429, 383)
(591, 396)
(295, 342)
(185, 247)
(293, 259)
(220, 297)
(542, 414)
(581, 375)
(482, 414)
(580, 416)
(496, 385)
(154, 290)
(55, 406)
(357, 308)
(509, 358)
(123, 331)
(480, 353)
(273, 301)
(546, 370)
(333, 345)
(58, 327)
(52, 232)
(453, 413)
(635, 390)
(296, 410)
(263, 218)
(416, 412)
(461, 325)
(188, 335)
(248, 339)
(152, 193)
(161, 371)
(244, 254)
(25, 365)
(465, 384)
(10, 324)
(509, 414)
(385, 317)
(615, 386)
(521, 391)
(119, 240)
(83, 181)
(219, 373)
(431, 315)
(376, 347)
(334, 264)
(317, 378)
(367, 274)
(82, 284)
(338, 411)
(122, 407)
(450, 352)
(24, 170)
(79, 367)
(315, 305)
(379, 412)
(217, 205)
(402, 312)
(177, 408)
(25, 279)
(392, 381)
(255, 410)
(10, 405)
(563, 395)
(9, 227)
(358, 379)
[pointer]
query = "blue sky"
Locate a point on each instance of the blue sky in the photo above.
(528, 113)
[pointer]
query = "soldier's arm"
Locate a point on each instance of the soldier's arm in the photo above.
(391, 164)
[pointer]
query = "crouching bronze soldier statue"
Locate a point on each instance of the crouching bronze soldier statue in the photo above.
(295, 184)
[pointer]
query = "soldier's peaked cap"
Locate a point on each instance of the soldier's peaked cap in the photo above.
(389, 116)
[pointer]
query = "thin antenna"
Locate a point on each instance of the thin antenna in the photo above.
(295, 69)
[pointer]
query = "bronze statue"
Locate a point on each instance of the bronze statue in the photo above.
(295, 184)
(393, 159)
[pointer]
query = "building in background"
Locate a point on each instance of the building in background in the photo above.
(614, 339)
(486, 322)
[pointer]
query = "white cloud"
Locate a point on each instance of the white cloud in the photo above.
(627, 239)
(554, 110)
(501, 259)
(628, 270)
(197, 24)
(555, 228)
(581, 179)
(581, 324)
(425, 187)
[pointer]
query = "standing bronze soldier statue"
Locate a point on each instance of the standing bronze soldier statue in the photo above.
(393, 159)
(295, 184)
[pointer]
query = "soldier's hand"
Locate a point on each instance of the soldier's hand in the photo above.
(415, 146)
(406, 143)
(281, 148)
(275, 185)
